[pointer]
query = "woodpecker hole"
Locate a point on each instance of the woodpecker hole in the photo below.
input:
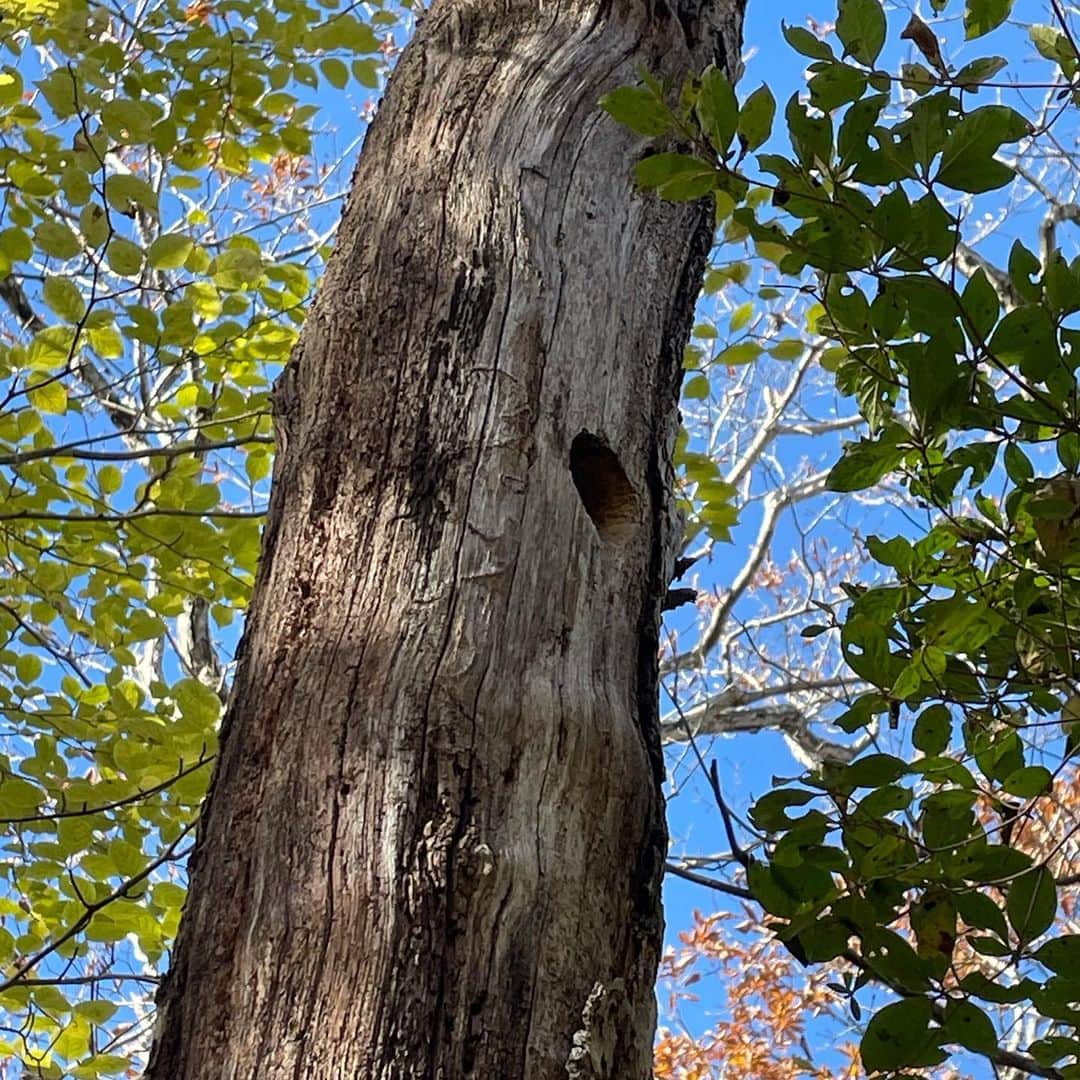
(605, 492)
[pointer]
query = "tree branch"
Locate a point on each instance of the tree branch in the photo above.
(971, 262)
(708, 882)
(92, 980)
(1048, 230)
(731, 711)
(775, 503)
(83, 921)
(104, 808)
(767, 426)
(13, 294)
(176, 450)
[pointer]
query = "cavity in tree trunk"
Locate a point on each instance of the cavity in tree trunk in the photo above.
(434, 841)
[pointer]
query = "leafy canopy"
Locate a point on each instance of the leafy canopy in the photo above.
(918, 870)
(160, 234)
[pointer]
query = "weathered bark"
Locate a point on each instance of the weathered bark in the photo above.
(434, 841)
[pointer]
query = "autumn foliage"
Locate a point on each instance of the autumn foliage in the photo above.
(768, 1004)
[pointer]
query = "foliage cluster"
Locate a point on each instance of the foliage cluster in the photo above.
(964, 369)
(162, 222)
(769, 1002)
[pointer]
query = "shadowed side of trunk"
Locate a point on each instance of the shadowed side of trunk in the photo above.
(434, 841)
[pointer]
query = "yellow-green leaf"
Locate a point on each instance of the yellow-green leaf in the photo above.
(64, 297)
(49, 397)
(169, 252)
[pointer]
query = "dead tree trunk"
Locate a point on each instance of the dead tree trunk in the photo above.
(434, 841)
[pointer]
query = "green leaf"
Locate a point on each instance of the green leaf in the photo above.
(169, 252)
(94, 224)
(1054, 45)
(1061, 954)
(802, 41)
(110, 479)
(1060, 286)
(979, 911)
(258, 463)
(64, 297)
(28, 667)
(127, 121)
(967, 158)
(965, 1023)
(124, 257)
(366, 72)
(30, 180)
(19, 798)
(717, 109)
(237, 268)
(899, 1036)
(917, 77)
(989, 946)
(863, 464)
(836, 85)
(197, 703)
(168, 894)
(56, 239)
(696, 388)
(1050, 1050)
(745, 352)
(885, 800)
(874, 770)
(676, 177)
(769, 811)
(788, 349)
(335, 71)
(933, 730)
(810, 135)
(1017, 465)
(97, 1011)
(756, 118)
(970, 76)
(1029, 781)
(106, 342)
(860, 25)
(1023, 265)
(981, 305)
(343, 32)
(15, 245)
(1000, 993)
(76, 185)
(741, 316)
(1026, 338)
(11, 87)
(982, 16)
(127, 193)
(74, 1040)
(1032, 903)
(769, 890)
(105, 1065)
(638, 109)
(50, 397)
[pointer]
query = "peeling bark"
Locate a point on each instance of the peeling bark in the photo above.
(434, 841)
